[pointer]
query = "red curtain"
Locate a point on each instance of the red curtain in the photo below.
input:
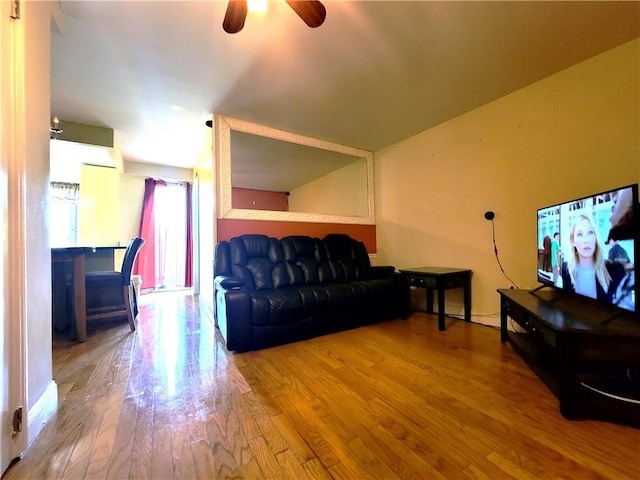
(150, 263)
(146, 263)
(188, 271)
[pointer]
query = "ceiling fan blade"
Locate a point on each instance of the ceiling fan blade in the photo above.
(235, 16)
(312, 12)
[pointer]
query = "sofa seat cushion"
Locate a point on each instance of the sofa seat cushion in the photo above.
(343, 296)
(284, 306)
(279, 306)
(315, 299)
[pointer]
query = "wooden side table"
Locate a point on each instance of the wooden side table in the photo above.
(440, 279)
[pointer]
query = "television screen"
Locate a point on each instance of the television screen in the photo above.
(588, 246)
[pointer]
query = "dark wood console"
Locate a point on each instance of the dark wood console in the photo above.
(588, 354)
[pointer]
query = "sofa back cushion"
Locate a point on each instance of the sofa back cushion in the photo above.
(261, 262)
(258, 261)
(347, 257)
(306, 260)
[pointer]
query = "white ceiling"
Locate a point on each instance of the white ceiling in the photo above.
(373, 74)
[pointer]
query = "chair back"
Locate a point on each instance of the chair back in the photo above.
(130, 257)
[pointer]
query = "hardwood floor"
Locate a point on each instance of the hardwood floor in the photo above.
(394, 400)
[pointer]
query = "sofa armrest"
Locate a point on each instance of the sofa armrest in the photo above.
(381, 271)
(233, 318)
(228, 283)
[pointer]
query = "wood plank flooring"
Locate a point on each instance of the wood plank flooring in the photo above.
(394, 400)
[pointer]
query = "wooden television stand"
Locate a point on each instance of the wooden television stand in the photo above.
(588, 354)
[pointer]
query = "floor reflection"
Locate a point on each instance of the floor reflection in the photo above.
(176, 344)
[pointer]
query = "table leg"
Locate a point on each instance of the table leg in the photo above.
(467, 298)
(504, 334)
(429, 300)
(79, 297)
(58, 294)
(441, 309)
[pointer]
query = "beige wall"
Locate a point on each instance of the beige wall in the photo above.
(341, 192)
(571, 134)
(41, 391)
(38, 299)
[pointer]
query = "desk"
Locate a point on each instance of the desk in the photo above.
(82, 259)
(440, 279)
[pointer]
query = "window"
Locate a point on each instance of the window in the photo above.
(63, 213)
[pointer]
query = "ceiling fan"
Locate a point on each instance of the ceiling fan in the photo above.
(312, 12)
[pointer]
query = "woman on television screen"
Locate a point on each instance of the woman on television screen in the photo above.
(586, 271)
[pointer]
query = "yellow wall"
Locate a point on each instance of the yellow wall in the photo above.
(571, 134)
(99, 221)
(341, 192)
(131, 196)
(204, 238)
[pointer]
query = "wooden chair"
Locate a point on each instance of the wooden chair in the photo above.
(110, 294)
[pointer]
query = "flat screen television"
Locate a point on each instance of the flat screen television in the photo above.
(588, 246)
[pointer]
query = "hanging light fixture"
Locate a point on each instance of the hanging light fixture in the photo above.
(55, 129)
(312, 12)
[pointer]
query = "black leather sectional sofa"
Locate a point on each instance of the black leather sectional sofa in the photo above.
(270, 292)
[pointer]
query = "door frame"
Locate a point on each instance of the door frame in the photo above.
(12, 214)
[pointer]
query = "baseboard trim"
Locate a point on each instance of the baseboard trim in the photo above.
(42, 411)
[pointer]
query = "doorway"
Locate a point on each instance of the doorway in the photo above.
(165, 263)
(171, 237)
